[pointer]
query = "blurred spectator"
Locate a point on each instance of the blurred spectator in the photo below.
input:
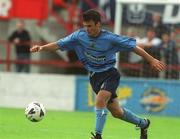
(134, 59)
(21, 39)
(152, 45)
(170, 56)
(158, 26)
(151, 40)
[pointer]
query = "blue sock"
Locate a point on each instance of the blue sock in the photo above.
(101, 115)
(133, 118)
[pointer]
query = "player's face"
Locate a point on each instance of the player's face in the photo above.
(92, 28)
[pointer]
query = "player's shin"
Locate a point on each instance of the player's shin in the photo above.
(131, 117)
(101, 114)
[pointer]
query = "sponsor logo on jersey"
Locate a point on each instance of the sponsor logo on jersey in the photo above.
(95, 58)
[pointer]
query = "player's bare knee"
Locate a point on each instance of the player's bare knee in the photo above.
(100, 102)
(102, 99)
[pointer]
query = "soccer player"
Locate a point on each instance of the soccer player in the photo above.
(96, 49)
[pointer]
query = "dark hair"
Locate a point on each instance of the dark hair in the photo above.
(151, 29)
(166, 32)
(92, 15)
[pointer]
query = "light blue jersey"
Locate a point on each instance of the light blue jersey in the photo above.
(96, 53)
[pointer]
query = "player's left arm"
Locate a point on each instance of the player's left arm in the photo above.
(155, 63)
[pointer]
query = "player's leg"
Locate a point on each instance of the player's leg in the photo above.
(103, 84)
(101, 111)
(128, 116)
(125, 114)
(102, 98)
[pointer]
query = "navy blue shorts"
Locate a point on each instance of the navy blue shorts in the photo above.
(107, 80)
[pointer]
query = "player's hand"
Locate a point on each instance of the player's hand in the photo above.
(36, 48)
(158, 65)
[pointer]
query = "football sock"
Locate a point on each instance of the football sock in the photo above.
(133, 118)
(101, 115)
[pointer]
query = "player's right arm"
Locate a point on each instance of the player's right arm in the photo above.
(66, 43)
(48, 47)
(155, 63)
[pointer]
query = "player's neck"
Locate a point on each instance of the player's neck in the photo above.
(97, 33)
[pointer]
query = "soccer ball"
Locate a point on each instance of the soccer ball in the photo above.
(35, 111)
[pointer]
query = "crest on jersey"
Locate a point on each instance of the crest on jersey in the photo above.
(93, 45)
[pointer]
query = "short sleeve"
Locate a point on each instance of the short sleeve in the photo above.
(68, 42)
(123, 43)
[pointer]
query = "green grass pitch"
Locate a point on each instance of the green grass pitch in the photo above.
(78, 125)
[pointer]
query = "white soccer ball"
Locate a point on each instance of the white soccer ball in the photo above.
(35, 111)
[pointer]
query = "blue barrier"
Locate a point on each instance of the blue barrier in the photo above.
(159, 97)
